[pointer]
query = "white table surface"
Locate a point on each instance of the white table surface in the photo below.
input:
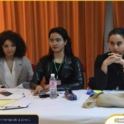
(63, 111)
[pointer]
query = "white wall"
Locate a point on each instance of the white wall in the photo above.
(108, 24)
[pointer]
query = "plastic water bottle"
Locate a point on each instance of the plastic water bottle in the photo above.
(53, 87)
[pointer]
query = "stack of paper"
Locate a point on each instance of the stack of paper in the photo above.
(14, 101)
(7, 101)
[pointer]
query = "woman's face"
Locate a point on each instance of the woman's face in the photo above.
(116, 44)
(57, 42)
(9, 48)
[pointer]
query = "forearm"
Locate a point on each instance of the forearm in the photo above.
(104, 67)
(37, 77)
(101, 79)
(77, 85)
(34, 83)
(73, 86)
(122, 63)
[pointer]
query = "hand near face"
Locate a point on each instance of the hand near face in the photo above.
(113, 58)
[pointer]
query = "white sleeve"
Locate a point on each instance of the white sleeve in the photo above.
(1, 86)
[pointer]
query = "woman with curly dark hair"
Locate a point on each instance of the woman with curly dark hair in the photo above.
(60, 61)
(14, 67)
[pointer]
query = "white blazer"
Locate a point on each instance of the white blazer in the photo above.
(23, 70)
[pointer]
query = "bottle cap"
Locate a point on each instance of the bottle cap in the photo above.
(52, 75)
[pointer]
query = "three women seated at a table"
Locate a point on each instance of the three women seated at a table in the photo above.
(15, 69)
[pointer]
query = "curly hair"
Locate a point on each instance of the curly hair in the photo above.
(64, 34)
(14, 38)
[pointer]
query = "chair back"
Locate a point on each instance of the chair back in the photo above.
(83, 67)
(33, 67)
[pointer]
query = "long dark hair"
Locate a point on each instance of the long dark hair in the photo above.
(64, 34)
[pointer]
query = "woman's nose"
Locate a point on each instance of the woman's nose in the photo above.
(115, 46)
(10, 48)
(54, 42)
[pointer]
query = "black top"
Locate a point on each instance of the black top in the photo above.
(109, 81)
(70, 73)
(54, 69)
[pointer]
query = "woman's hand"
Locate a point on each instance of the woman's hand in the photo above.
(46, 88)
(37, 90)
(112, 58)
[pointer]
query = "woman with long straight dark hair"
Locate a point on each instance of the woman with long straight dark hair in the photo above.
(61, 61)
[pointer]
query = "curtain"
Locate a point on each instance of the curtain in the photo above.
(84, 22)
(94, 33)
(118, 13)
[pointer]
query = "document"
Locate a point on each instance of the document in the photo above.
(9, 95)
(18, 104)
(14, 99)
(6, 101)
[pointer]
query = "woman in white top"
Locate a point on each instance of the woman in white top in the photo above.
(14, 67)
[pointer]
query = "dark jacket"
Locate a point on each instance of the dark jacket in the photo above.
(109, 81)
(70, 74)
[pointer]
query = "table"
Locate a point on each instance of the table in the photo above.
(63, 111)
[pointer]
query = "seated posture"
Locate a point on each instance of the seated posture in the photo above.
(109, 67)
(14, 68)
(60, 61)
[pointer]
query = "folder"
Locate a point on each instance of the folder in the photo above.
(11, 107)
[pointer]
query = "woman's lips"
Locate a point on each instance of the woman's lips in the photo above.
(55, 47)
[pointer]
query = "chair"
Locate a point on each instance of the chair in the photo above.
(33, 67)
(83, 67)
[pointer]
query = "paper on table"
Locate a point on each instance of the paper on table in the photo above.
(12, 96)
(6, 101)
(21, 103)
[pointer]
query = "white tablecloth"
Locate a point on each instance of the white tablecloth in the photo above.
(63, 111)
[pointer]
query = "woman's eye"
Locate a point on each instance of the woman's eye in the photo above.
(13, 45)
(119, 44)
(57, 40)
(5, 46)
(112, 43)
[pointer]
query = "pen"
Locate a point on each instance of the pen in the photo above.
(9, 107)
